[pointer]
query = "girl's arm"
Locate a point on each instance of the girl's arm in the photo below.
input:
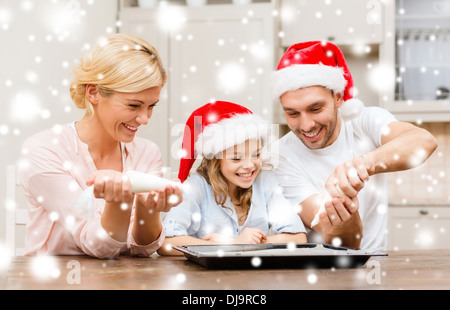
(247, 236)
(170, 242)
(287, 238)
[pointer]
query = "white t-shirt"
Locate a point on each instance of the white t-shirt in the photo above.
(303, 172)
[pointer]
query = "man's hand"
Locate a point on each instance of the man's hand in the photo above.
(341, 220)
(339, 210)
(348, 179)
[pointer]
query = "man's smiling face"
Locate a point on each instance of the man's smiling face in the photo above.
(312, 114)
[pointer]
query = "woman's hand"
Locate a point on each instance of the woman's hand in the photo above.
(159, 201)
(115, 188)
(148, 206)
(112, 186)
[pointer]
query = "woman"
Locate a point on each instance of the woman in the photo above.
(118, 85)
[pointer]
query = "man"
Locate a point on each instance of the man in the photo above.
(338, 150)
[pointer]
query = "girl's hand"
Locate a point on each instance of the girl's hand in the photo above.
(247, 236)
(252, 236)
(111, 185)
(217, 238)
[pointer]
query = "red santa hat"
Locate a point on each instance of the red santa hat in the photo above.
(316, 63)
(215, 127)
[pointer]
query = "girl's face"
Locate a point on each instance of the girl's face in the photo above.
(241, 164)
(121, 114)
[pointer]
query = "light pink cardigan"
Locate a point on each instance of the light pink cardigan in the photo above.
(63, 218)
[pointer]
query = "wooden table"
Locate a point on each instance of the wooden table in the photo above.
(411, 270)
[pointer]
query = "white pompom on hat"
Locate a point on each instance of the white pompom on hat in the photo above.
(316, 63)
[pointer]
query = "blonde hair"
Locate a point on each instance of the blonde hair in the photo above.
(122, 63)
(210, 170)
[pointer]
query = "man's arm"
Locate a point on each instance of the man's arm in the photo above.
(404, 146)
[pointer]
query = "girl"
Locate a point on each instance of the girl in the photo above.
(230, 199)
(118, 85)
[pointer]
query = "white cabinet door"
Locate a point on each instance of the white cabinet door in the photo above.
(222, 53)
(144, 23)
(418, 54)
(218, 52)
(337, 21)
(418, 227)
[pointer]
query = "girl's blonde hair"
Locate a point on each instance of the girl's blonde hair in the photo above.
(210, 170)
(122, 63)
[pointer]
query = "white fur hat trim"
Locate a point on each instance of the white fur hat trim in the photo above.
(299, 76)
(230, 132)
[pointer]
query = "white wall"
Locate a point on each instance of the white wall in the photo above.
(41, 40)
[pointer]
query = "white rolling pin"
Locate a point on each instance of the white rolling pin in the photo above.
(142, 182)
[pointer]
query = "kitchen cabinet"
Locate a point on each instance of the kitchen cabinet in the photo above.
(144, 24)
(337, 21)
(419, 53)
(418, 227)
(357, 27)
(213, 52)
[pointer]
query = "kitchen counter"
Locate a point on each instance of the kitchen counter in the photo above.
(437, 203)
(411, 270)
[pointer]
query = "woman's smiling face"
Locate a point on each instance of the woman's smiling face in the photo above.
(121, 114)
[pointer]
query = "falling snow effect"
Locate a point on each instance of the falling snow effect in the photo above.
(312, 278)
(32, 100)
(5, 258)
(45, 267)
(256, 262)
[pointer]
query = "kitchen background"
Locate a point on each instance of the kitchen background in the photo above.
(398, 52)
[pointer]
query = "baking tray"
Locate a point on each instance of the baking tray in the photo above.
(279, 255)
